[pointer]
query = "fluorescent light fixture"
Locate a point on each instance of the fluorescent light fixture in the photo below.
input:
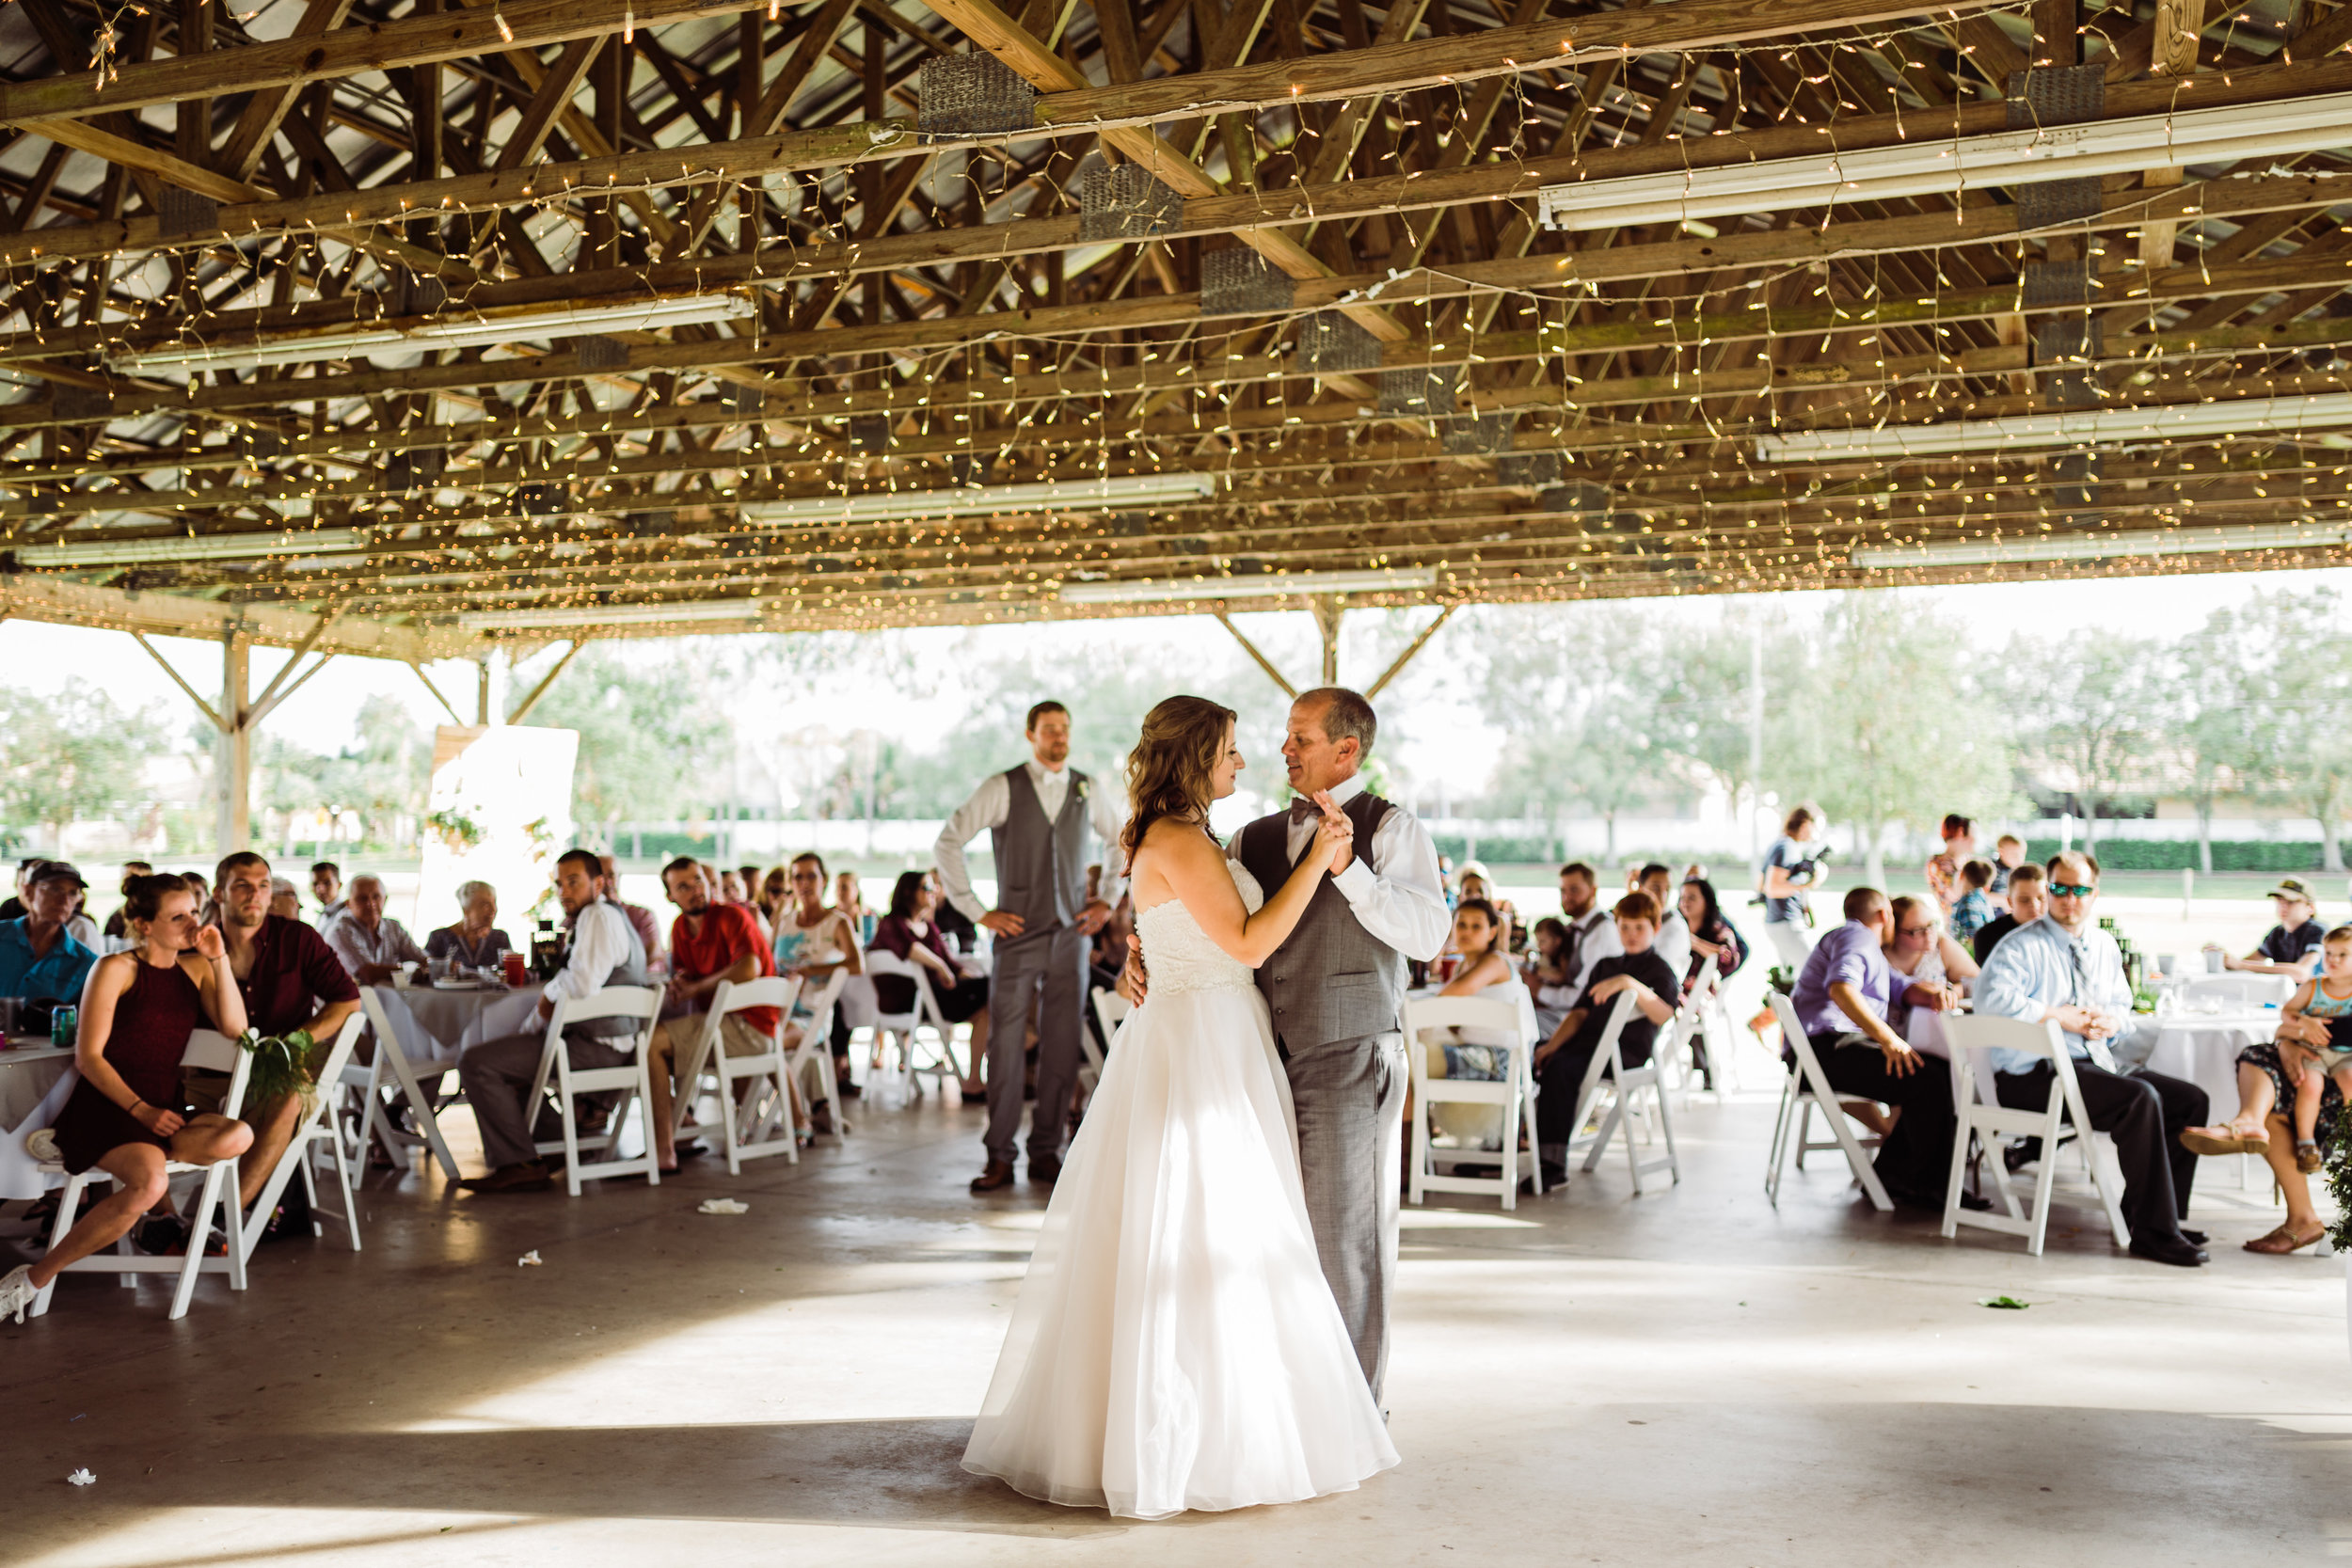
(438, 332)
(2090, 427)
(218, 547)
(1059, 495)
(612, 615)
(2102, 546)
(1264, 585)
(1934, 165)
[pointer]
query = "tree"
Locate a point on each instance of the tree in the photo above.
(650, 746)
(72, 754)
(1705, 714)
(2093, 709)
(1884, 728)
(2223, 742)
(2297, 693)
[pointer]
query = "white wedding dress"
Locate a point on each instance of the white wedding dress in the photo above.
(1175, 1346)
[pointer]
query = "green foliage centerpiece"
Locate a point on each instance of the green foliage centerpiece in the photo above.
(282, 1067)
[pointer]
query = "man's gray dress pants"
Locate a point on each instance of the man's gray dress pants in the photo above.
(1349, 1096)
(1054, 963)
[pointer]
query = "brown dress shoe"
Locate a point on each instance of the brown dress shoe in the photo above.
(530, 1177)
(997, 1175)
(1045, 1172)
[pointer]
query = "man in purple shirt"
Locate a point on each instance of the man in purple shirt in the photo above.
(1842, 998)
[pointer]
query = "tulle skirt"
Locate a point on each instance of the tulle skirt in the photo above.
(1175, 1345)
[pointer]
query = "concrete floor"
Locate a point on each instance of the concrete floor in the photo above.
(1684, 1378)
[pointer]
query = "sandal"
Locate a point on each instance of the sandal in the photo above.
(2224, 1139)
(2282, 1241)
(2306, 1156)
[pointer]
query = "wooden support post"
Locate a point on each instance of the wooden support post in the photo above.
(1259, 657)
(1406, 657)
(1328, 608)
(233, 748)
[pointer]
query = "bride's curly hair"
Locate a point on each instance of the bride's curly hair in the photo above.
(1169, 773)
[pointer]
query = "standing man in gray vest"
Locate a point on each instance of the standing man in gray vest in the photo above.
(1039, 817)
(1336, 990)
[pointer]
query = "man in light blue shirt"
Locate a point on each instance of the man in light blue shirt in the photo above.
(2064, 969)
(38, 957)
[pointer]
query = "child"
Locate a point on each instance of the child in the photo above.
(2328, 996)
(1548, 977)
(2008, 853)
(1471, 1052)
(1973, 909)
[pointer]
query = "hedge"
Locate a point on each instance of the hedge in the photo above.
(2180, 854)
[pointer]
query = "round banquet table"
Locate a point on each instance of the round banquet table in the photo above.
(440, 1025)
(34, 1079)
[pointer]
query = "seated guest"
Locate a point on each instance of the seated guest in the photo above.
(732, 889)
(116, 929)
(498, 1076)
(124, 1115)
(204, 906)
(639, 918)
(14, 908)
(1973, 909)
(711, 942)
(775, 892)
(1546, 975)
(850, 900)
(2009, 854)
(1592, 930)
(1473, 882)
(1713, 941)
(1842, 999)
(40, 959)
(1943, 868)
(327, 886)
(2292, 946)
(1471, 1051)
(288, 979)
(2268, 1086)
(962, 935)
(911, 930)
(79, 925)
(284, 901)
(1673, 942)
(1560, 1061)
(475, 940)
(2028, 902)
(814, 942)
(1930, 964)
(2064, 969)
(370, 943)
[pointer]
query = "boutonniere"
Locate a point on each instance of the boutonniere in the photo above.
(1082, 787)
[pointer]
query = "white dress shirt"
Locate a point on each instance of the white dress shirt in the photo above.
(390, 943)
(601, 943)
(1593, 936)
(1672, 944)
(2040, 967)
(992, 803)
(1391, 885)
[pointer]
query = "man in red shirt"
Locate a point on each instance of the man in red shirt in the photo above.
(709, 942)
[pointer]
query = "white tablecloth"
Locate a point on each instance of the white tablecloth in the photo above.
(442, 1025)
(34, 1085)
(2203, 1050)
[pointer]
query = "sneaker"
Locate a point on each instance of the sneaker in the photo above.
(17, 1292)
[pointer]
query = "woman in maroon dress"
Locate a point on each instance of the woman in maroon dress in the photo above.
(124, 1118)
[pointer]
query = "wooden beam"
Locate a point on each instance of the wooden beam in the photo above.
(207, 709)
(1262, 662)
(522, 709)
(1410, 649)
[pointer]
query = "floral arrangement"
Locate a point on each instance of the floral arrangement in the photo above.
(282, 1067)
(2340, 1188)
(456, 830)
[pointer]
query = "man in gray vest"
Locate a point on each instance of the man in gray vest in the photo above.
(1039, 817)
(497, 1074)
(1336, 988)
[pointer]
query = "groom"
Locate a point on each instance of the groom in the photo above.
(1336, 987)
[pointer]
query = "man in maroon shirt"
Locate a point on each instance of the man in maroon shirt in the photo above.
(289, 979)
(709, 942)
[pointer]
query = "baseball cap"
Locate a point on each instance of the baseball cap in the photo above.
(47, 871)
(2294, 887)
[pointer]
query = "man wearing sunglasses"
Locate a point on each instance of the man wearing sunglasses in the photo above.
(2062, 968)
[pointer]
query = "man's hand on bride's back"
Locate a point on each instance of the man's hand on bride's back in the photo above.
(1133, 980)
(1335, 832)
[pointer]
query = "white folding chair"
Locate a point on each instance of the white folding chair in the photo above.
(754, 1101)
(1513, 1098)
(641, 1005)
(416, 1076)
(322, 1124)
(1635, 1092)
(1110, 1011)
(813, 1058)
(216, 1052)
(1973, 1037)
(1806, 1090)
(1688, 1025)
(904, 1030)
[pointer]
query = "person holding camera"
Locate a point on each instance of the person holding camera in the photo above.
(1791, 867)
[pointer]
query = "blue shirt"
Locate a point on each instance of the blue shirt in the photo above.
(1787, 854)
(1849, 955)
(55, 976)
(2037, 968)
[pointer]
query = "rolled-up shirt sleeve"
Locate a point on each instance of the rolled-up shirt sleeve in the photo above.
(987, 808)
(600, 945)
(1396, 892)
(1108, 821)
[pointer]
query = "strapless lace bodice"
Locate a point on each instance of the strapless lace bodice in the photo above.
(1178, 953)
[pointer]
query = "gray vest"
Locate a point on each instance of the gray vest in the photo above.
(1332, 980)
(1041, 864)
(631, 970)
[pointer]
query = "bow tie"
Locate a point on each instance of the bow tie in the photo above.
(1303, 808)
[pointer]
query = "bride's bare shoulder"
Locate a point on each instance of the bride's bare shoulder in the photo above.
(1174, 847)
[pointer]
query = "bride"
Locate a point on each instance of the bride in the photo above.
(1175, 1346)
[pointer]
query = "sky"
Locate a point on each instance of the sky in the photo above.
(321, 716)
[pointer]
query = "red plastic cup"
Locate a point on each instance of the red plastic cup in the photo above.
(515, 971)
